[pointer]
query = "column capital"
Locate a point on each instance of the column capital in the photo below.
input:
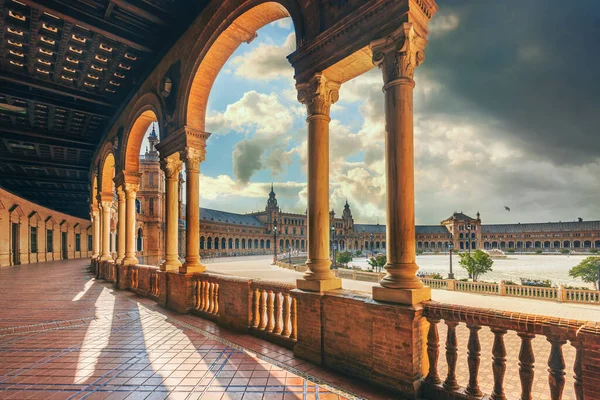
(106, 205)
(192, 158)
(398, 54)
(181, 139)
(318, 94)
(121, 193)
(124, 177)
(171, 166)
(130, 189)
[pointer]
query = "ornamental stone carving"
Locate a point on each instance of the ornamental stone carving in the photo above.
(131, 189)
(318, 94)
(171, 166)
(399, 53)
(192, 158)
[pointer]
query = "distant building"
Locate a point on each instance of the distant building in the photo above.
(225, 233)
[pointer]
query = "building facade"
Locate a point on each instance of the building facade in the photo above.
(224, 233)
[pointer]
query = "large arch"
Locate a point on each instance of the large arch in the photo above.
(147, 113)
(106, 183)
(240, 26)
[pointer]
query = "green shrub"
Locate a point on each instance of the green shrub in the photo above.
(594, 251)
(539, 251)
(464, 280)
(511, 250)
(510, 283)
(564, 251)
(419, 251)
(437, 276)
(536, 282)
(576, 287)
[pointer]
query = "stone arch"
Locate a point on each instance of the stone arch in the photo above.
(209, 56)
(148, 110)
(106, 183)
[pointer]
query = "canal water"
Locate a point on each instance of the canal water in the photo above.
(553, 267)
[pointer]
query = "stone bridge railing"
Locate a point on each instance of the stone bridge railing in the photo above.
(390, 345)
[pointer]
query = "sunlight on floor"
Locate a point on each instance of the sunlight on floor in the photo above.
(86, 287)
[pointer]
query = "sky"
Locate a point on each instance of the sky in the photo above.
(506, 107)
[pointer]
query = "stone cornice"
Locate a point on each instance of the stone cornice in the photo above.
(124, 177)
(181, 139)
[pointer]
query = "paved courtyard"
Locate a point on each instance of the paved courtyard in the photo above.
(64, 335)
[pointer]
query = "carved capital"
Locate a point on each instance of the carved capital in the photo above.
(318, 94)
(171, 166)
(399, 53)
(192, 158)
(131, 189)
(121, 193)
(106, 205)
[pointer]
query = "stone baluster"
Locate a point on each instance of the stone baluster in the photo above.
(473, 360)
(197, 292)
(216, 309)
(270, 311)
(526, 364)
(451, 383)
(286, 315)
(206, 296)
(256, 308)
(294, 320)
(556, 367)
(498, 364)
(578, 384)
(277, 329)
(211, 293)
(263, 310)
(433, 351)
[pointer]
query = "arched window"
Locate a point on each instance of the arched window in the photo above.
(556, 245)
(268, 243)
(230, 244)
(209, 243)
(140, 238)
(243, 243)
(262, 243)
(224, 244)
(256, 243)
(202, 242)
(216, 243)
(237, 243)
(302, 244)
(249, 243)
(566, 244)
(138, 206)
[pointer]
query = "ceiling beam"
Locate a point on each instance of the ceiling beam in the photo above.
(51, 191)
(125, 5)
(52, 87)
(94, 24)
(28, 162)
(47, 138)
(42, 179)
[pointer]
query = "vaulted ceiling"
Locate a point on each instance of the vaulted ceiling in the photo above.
(66, 67)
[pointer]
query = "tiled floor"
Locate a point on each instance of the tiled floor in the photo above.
(65, 336)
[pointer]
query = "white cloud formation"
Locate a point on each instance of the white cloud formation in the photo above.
(266, 61)
(443, 24)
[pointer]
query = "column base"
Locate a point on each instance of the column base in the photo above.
(169, 265)
(319, 285)
(191, 268)
(130, 261)
(401, 296)
(105, 258)
(119, 260)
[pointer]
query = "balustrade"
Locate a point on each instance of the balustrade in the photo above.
(134, 277)
(582, 296)
(273, 310)
(532, 292)
(154, 284)
(206, 295)
(526, 327)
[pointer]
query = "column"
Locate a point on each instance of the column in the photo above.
(130, 194)
(95, 232)
(121, 218)
(192, 158)
(105, 250)
(171, 167)
(318, 95)
(397, 57)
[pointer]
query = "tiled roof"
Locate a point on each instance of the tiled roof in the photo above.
(542, 227)
(459, 216)
(227, 217)
(420, 229)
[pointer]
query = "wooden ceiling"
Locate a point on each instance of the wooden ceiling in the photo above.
(66, 67)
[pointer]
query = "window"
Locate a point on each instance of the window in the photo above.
(89, 242)
(49, 245)
(138, 206)
(78, 242)
(33, 231)
(151, 206)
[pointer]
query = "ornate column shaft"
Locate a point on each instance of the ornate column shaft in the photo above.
(397, 56)
(105, 250)
(130, 190)
(171, 167)
(318, 95)
(192, 158)
(121, 225)
(95, 232)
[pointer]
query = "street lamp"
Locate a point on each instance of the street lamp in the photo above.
(290, 255)
(450, 247)
(371, 243)
(469, 238)
(275, 241)
(333, 244)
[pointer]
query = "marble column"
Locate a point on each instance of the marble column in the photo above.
(105, 250)
(130, 190)
(121, 225)
(95, 233)
(397, 56)
(171, 167)
(318, 95)
(192, 158)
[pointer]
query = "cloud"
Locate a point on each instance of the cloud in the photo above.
(247, 156)
(442, 24)
(266, 61)
(284, 23)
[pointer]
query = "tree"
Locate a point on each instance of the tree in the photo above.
(378, 262)
(344, 257)
(588, 270)
(477, 263)
(358, 253)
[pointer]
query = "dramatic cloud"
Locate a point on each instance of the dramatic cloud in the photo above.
(267, 61)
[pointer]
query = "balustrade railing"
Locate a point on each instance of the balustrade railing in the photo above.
(206, 295)
(154, 283)
(533, 292)
(556, 331)
(274, 310)
(477, 287)
(435, 283)
(134, 274)
(582, 296)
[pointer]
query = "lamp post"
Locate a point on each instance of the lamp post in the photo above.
(333, 243)
(275, 241)
(450, 247)
(371, 243)
(469, 238)
(290, 255)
